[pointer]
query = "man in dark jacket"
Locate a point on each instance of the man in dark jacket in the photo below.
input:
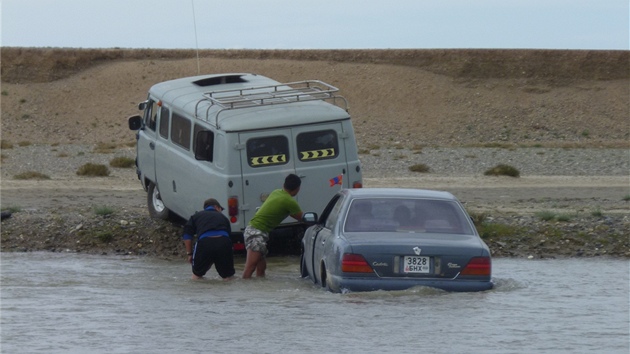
(214, 245)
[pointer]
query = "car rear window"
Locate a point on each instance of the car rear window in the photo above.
(407, 215)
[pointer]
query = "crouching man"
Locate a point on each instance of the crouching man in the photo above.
(213, 245)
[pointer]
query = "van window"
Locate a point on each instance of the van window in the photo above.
(319, 145)
(150, 115)
(164, 119)
(180, 131)
(203, 143)
(268, 151)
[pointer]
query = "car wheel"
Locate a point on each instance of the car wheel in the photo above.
(329, 284)
(157, 209)
(303, 271)
(323, 276)
(326, 282)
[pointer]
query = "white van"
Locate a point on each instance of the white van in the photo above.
(235, 137)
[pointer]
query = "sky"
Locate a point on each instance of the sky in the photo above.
(317, 24)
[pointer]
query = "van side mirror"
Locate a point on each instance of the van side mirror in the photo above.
(309, 218)
(135, 122)
(142, 105)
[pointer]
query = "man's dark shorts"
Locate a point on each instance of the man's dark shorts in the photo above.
(213, 250)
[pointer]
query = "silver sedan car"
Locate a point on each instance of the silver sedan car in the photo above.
(394, 239)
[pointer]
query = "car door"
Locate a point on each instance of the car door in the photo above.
(323, 236)
(266, 160)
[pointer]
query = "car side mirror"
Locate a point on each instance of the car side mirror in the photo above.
(309, 218)
(135, 122)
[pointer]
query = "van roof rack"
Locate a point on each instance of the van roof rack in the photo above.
(282, 93)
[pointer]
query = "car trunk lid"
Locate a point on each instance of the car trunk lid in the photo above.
(417, 255)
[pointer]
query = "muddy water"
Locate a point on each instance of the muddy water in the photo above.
(74, 303)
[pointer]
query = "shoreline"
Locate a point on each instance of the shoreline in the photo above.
(130, 231)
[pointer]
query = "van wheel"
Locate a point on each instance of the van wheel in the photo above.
(157, 209)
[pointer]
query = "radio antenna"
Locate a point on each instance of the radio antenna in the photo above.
(196, 41)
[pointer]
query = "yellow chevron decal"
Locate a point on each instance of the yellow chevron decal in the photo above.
(315, 154)
(268, 160)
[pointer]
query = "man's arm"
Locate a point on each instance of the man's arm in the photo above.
(189, 232)
(297, 216)
(188, 244)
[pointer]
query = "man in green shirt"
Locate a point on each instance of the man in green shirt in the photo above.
(274, 209)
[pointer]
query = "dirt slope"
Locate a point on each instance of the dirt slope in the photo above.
(405, 97)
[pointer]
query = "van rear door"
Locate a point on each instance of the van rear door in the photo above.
(316, 153)
(266, 160)
(321, 163)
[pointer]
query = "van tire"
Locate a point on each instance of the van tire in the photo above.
(157, 209)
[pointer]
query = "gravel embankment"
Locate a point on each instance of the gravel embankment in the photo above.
(392, 162)
(64, 160)
(586, 230)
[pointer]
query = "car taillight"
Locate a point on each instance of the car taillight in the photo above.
(355, 263)
(357, 184)
(478, 266)
(233, 209)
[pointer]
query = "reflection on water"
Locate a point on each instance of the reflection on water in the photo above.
(61, 303)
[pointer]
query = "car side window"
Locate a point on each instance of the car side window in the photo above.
(331, 212)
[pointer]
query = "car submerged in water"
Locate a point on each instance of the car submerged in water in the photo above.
(394, 239)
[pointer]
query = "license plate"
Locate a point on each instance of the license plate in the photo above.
(415, 264)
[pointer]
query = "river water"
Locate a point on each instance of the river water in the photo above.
(76, 303)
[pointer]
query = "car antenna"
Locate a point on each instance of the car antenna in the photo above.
(196, 41)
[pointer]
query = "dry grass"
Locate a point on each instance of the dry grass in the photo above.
(105, 148)
(419, 168)
(31, 175)
(503, 170)
(5, 145)
(122, 162)
(93, 170)
(103, 210)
